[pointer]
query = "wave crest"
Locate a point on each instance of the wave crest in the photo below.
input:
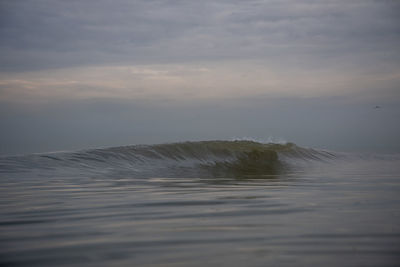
(205, 158)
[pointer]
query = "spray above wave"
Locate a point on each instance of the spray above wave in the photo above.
(206, 158)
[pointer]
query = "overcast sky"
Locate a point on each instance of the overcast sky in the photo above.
(78, 74)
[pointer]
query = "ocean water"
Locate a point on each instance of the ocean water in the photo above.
(216, 203)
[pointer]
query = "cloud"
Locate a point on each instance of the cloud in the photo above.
(197, 49)
(46, 34)
(183, 82)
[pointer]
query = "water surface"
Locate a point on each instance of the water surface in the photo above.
(196, 204)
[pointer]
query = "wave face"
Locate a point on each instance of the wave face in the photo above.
(193, 159)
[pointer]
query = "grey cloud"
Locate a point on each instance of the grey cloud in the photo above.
(44, 34)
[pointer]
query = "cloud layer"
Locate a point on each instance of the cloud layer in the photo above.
(223, 80)
(40, 34)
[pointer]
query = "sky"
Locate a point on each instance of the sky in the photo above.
(84, 74)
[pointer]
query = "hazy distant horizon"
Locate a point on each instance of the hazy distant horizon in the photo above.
(331, 124)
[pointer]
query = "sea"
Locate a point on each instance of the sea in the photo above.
(210, 203)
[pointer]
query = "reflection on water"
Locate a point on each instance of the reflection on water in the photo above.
(339, 213)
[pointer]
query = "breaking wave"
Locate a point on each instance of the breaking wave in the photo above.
(196, 159)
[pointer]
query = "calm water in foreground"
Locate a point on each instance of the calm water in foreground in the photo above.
(116, 208)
